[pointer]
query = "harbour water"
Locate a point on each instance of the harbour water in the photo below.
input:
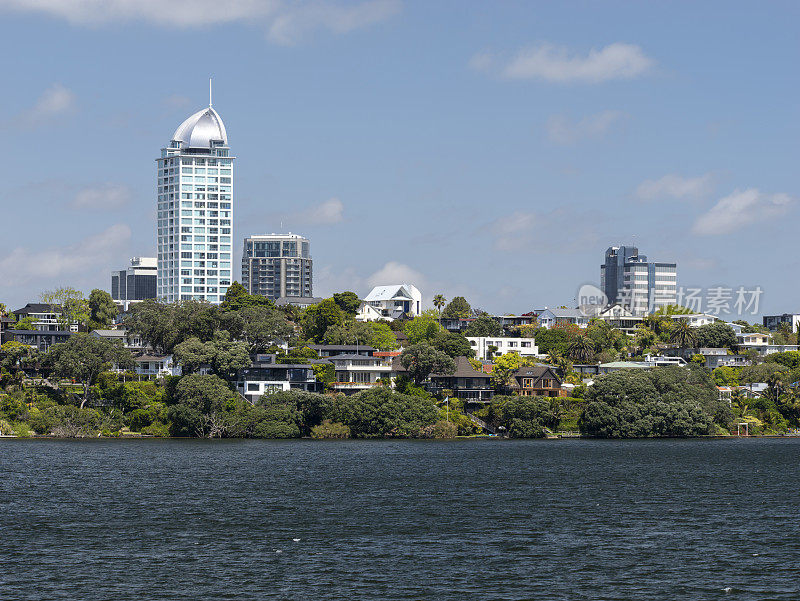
(472, 519)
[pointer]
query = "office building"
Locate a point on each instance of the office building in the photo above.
(277, 266)
(195, 211)
(135, 283)
(629, 279)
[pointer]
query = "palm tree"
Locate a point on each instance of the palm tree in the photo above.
(580, 348)
(439, 301)
(682, 334)
(775, 385)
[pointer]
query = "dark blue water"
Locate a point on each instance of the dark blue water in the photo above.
(400, 520)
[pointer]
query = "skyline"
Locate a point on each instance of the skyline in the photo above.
(592, 132)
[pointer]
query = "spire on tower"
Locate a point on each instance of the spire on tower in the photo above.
(209, 92)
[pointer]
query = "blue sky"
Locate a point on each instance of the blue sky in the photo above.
(491, 150)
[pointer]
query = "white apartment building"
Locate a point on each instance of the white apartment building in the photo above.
(525, 347)
(649, 286)
(195, 211)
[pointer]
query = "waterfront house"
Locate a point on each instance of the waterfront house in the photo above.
(45, 317)
(391, 302)
(127, 338)
(356, 372)
(265, 376)
(540, 380)
(40, 339)
(466, 383)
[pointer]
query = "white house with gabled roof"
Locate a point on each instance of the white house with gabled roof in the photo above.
(390, 302)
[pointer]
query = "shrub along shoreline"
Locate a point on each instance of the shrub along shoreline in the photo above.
(668, 402)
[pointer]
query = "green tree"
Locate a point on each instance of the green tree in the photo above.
(484, 326)
(581, 349)
(452, 344)
(439, 301)
(202, 403)
(102, 309)
(237, 298)
(83, 357)
(348, 302)
(318, 318)
(71, 305)
(716, 335)
(193, 353)
(26, 323)
(263, 326)
(423, 328)
(457, 308)
(682, 334)
(381, 412)
(503, 368)
(421, 360)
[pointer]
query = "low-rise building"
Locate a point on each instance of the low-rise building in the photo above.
(40, 339)
(152, 366)
(607, 368)
(720, 357)
(696, 319)
(391, 302)
(486, 347)
(549, 318)
(359, 372)
(753, 340)
(466, 383)
(620, 318)
(45, 317)
(773, 322)
(127, 338)
(301, 302)
(265, 377)
(331, 350)
(539, 380)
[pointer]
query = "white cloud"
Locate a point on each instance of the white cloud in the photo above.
(397, 273)
(102, 197)
(22, 265)
(325, 213)
(513, 231)
(563, 131)
(285, 22)
(291, 26)
(743, 207)
(552, 63)
(675, 186)
(56, 100)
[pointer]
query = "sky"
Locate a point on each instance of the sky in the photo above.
(489, 150)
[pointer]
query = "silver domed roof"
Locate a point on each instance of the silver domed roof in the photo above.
(199, 129)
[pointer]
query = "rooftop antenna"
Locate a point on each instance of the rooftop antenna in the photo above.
(209, 93)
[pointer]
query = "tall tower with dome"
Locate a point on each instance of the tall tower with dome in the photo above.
(195, 211)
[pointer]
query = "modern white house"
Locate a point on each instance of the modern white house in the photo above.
(552, 317)
(150, 367)
(696, 319)
(482, 345)
(620, 318)
(195, 211)
(390, 302)
(45, 317)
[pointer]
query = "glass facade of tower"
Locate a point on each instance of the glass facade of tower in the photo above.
(195, 211)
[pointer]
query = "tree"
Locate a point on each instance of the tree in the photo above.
(26, 323)
(682, 334)
(644, 337)
(69, 303)
(263, 326)
(318, 318)
(201, 404)
(83, 357)
(348, 302)
(716, 335)
(102, 309)
(457, 308)
(439, 301)
(503, 368)
(421, 360)
(380, 411)
(165, 325)
(452, 344)
(484, 326)
(193, 353)
(581, 348)
(423, 328)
